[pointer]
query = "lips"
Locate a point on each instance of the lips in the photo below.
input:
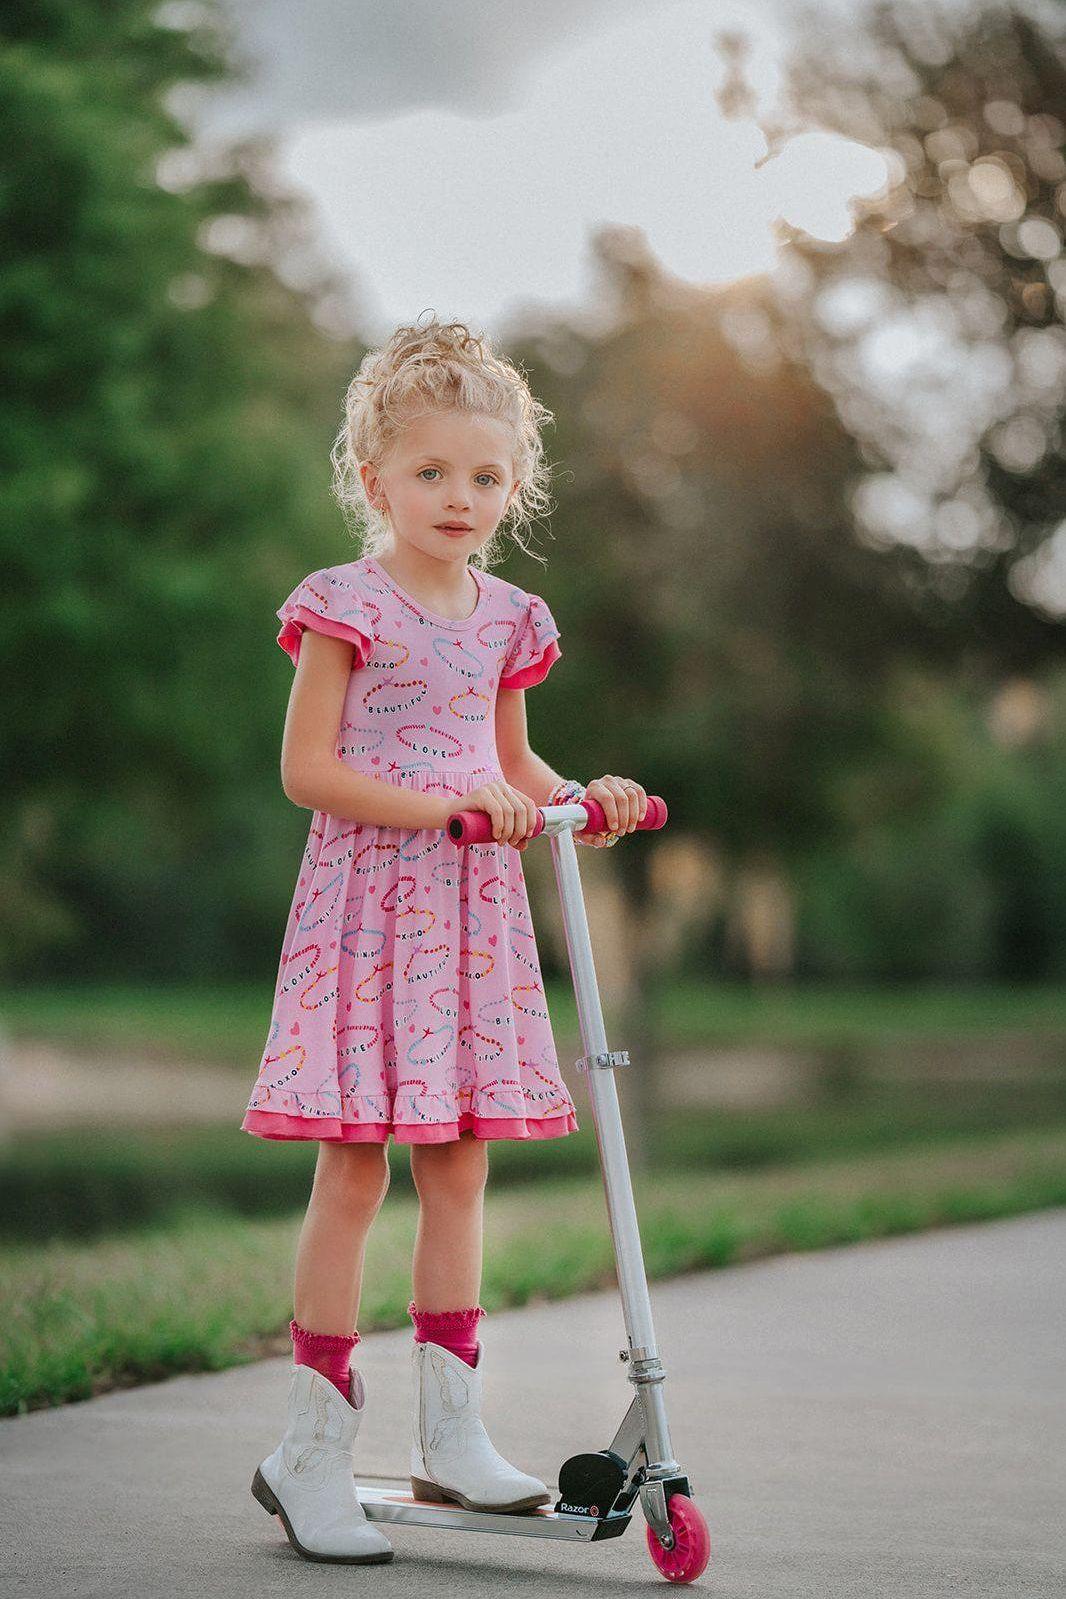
(454, 527)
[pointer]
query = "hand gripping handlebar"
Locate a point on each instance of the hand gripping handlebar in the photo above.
(475, 827)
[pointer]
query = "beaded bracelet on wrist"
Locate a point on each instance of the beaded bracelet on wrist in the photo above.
(565, 791)
(570, 789)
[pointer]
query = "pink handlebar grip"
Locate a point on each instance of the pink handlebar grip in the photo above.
(475, 827)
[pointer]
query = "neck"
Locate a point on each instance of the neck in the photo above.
(443, 584)
(405, 561)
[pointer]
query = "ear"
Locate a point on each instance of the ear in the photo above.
(371, 484)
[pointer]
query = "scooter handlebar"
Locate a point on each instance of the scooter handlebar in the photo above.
(475, 827)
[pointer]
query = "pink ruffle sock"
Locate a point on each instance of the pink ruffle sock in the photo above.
(329, 1353)
(451, 1329)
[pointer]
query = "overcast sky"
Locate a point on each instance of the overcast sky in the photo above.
(459, 155)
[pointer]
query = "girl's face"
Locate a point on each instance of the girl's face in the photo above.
(448, 466)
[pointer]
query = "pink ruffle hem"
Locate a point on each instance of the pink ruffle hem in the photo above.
(273, 1124)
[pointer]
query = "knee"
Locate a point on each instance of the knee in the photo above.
(456, 1171)
(353, 1174)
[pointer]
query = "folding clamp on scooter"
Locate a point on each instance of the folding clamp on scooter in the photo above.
(609, 1058)
(596, 1490)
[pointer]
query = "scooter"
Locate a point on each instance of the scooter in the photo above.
(596, 1490)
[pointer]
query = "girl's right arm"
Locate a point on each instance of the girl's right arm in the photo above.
(312, 775)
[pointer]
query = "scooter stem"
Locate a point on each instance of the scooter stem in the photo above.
(645, 1369)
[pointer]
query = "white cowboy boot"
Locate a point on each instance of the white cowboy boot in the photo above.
(309, 1480)
(451, 1456)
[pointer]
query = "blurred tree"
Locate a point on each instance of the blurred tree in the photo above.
(970, 890)
(730, 635)
(745, 636)
(728, 641)
(937, 323)
(170, 397)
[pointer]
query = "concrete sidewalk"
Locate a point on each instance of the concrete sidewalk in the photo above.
(885, 1419)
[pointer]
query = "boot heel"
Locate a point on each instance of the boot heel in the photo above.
(261, 1491)
(428, 1491)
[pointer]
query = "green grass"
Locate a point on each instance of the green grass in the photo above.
(162, 1021)
(65, 1184)
(815, 1014)
(229, 1025)
(206, 1290)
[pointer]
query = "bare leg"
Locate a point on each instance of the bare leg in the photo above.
(351, 1181)
(450, 1180)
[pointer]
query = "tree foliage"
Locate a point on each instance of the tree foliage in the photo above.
(168, 402)
(937, 324)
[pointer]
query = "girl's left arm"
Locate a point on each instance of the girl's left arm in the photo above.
(522, 766)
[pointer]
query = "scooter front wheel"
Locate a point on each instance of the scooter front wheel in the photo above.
(692, 1541)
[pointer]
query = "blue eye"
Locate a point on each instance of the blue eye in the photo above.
(491, 477)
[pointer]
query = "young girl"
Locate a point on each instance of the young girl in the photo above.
(409, 998)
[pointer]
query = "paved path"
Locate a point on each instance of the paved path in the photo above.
(880, 1420)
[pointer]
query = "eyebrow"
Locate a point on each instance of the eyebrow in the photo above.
(438, 460)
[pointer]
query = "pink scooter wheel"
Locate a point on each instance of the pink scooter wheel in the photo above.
(692, 1541)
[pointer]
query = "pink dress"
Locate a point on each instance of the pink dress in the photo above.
(409, 997)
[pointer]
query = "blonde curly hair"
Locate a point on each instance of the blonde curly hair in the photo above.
(435, 367)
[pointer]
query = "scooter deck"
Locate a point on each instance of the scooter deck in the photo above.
(398, 1505)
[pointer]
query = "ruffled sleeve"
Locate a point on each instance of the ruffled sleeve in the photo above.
(329, 603)
(533, 649)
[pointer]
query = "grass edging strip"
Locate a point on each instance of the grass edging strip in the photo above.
(210, 1290)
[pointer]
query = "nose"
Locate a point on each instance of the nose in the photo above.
(458, 498)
